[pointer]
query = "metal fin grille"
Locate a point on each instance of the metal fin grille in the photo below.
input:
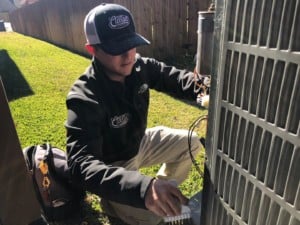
(254, 128)
(268, 23)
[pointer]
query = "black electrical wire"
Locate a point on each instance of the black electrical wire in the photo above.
(190, 134)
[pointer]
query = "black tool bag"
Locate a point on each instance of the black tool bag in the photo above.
(48, 167)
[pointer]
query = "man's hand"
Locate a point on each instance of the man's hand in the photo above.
(164, 199)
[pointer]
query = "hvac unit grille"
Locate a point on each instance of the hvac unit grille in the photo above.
(253, 149)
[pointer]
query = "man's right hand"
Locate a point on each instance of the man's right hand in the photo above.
(164, 199)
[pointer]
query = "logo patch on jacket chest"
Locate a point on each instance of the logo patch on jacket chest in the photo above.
(120, 121)
(143, 88)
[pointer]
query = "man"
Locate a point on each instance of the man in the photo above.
(107, 139)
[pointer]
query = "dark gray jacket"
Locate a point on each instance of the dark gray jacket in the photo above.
(106, 122)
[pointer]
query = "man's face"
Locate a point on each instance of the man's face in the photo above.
(119, 66)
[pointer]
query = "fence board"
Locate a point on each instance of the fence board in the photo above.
(141, 13)
(158, 31)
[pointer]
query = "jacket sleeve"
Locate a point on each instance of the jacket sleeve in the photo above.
(84, 150)
(176, 82)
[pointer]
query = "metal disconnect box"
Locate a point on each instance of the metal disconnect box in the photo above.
(253, 140)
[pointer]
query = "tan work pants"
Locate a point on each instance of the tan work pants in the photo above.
(160, 145)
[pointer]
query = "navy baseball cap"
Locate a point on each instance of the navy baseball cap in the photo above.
(111, 27)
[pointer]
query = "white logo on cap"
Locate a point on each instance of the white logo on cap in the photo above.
(118, 22)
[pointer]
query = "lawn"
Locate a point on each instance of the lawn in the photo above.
(37, 77)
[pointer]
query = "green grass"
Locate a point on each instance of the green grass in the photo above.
(38, 76)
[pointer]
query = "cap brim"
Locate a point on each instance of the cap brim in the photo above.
(122, 44)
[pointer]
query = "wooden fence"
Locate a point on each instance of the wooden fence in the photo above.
(170, 25)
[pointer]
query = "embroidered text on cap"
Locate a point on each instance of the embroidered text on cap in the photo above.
(119, 22)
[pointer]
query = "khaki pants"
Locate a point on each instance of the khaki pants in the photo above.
(160, 145)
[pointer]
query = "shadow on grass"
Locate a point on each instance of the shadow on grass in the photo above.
(14, 82)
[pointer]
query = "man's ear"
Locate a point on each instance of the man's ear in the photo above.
(91, 49)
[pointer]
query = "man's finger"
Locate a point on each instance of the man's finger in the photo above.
(179, 196)
(175, 205)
